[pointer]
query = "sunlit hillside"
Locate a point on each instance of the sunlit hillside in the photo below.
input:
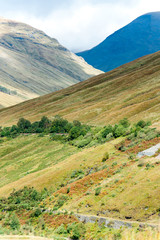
(132, 91)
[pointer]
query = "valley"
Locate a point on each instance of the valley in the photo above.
(79, 148)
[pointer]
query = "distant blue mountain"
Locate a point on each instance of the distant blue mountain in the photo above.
(139, 38)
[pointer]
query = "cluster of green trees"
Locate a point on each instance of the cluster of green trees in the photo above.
(29, 199)
(82, 135)
(26, 198)
(46, 126)
(135, 132)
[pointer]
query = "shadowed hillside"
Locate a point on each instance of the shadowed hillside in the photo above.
(137, 39)
(132, 90)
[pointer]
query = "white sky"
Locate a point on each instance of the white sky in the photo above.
(77, 24)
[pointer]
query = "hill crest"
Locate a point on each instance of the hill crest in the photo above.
(33, 64)
(131, 91)
(136, 39)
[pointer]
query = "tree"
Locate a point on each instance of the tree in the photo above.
(108, 129)
(75, 132)
(23, 124)
(97, 191)
(14, 224)
(59, 125)
(76, 230)
(124, 122)
(76, 123)
(119, 131)
(44, 122)
(141, 124)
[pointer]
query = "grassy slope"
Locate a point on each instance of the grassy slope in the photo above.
(25, 155)
(126, 189)
(34, 155)
(127, 192)
(129, 91)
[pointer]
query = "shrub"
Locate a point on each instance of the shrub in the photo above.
(131, 156)
(77, 173)
(61, 200)
(114, 164)
(105, 157)
(68, 190)
(119, 131)
(141, 124)
(82, 142)
(76, 230)
(97, 191)
(124, 122)
(108, 129)
(109, 136)
(61, 230)
(14, 224)
(36, 213)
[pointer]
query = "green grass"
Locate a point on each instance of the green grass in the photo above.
(126, 189)
(28, 154)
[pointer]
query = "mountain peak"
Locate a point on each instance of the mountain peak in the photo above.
(33, 64)
(19, 29)
(137, 39)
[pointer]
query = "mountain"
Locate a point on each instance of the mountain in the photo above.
(34, 64)
(137, 39)
(132, 91)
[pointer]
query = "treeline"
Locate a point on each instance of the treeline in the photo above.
(58, 125)
(82, 135)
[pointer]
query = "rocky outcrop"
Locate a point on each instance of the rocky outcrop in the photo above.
(112, 223)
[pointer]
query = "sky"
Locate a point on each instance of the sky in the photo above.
(77, 24)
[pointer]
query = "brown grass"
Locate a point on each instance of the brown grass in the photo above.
(129, 91)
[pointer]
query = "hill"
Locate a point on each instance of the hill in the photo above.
(137, 39)
(40, 162)
(70, 168)
(131, 90)
(34, 64)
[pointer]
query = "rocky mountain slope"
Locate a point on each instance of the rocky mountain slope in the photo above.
(33, 64)
(139, 38)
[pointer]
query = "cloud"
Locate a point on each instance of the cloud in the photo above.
(78, 24)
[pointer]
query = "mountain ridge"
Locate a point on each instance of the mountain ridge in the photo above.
(136, 39)
(33, 64)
